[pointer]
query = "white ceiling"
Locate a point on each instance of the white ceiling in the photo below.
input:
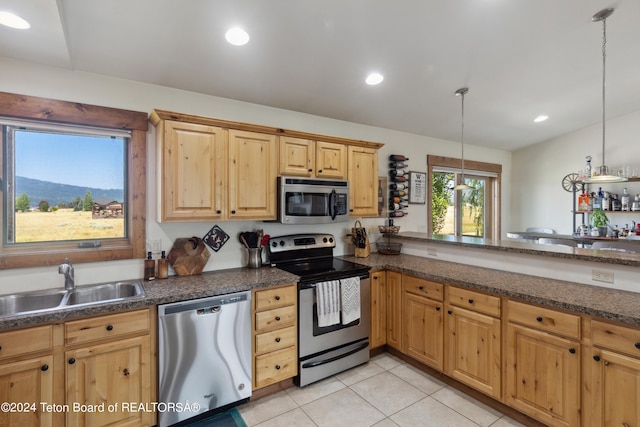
(519, 58)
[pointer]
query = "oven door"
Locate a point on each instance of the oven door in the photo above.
(314, 339)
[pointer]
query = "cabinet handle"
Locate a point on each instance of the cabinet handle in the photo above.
(277, 367)
(109, 327)
(350, 210)
(125, 372)
(309, 170)
(437, 308)
(449, 311)
(233, 212)
(218, 211)
(470, 301)
(277, 297)
(637, 345)
(72, 361)
(375, 277)
(539, 319)
(421, 288)
(320, 171)
(278, 339)
(596, 358)
(44, 368)
(572, 350)
(277, 318)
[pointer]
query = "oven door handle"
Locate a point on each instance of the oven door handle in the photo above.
(334, 358)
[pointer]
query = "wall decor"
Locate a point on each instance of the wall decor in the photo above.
(383, 197)
(417, 188)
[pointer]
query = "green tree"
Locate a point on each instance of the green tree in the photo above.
(22, 203)
(43, 206)
(77, 204)
(474, 198)
(87, 204)
(440, 199)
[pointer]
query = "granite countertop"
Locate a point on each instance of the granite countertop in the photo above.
(175, 288)
(529, 248)
(597, 301)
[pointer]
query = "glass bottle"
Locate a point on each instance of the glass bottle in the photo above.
(625, 200)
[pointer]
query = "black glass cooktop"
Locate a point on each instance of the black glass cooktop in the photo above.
(319, 270)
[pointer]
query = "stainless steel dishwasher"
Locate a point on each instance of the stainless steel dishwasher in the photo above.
(205, 355)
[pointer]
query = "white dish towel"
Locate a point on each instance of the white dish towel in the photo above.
(328, 303)
(350, 293)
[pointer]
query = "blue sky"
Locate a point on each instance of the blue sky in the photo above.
(70, 159)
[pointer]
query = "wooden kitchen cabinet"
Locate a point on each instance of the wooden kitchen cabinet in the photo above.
(612, 376)
(318, 159)
(473, 349)
(363, 179)
(27, 372)
(393, 283)
(109, 359)
(253, 169)
(423, 321)
(192, 169)
(378, 333)
(543, 364)
(275, 339)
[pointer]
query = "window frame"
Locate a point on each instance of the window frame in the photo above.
(53, 111)
(492, 190)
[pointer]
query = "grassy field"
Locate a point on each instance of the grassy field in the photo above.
(65, 224)
(468, 226)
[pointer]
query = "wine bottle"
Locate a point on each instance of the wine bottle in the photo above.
(399, 200)
(397, 172)
(397, 165)
(398, 186)
(399, 206)
(397, 214)
(399, 193)
(399, 178)
(397, 158)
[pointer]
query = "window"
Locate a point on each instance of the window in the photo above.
(474, 212)
(73, 181)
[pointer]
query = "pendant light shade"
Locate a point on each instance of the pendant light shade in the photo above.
(462, 186)
(602, 172)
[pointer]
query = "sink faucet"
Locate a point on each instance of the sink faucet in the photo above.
(67, 270)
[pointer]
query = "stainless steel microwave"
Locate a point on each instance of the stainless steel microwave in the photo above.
(312, 201)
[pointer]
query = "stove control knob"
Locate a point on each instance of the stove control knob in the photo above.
(274, 244)
(330, 239)
(281, 242)
(324, 240)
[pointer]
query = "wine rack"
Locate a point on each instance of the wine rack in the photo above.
(398, 187)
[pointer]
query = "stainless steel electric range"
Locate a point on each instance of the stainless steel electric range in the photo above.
(323, 350)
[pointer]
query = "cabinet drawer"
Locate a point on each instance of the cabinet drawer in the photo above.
(275, 340)
(276, 366)
(277, 297)
(620, 338)
(15, 343)
(475, 301)
(423, 287)
(105, 327)
(544, 319)
(275, 319)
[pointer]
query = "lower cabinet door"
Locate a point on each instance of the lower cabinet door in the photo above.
(543, 376)
(473, 350)
(613, 389)
(423, 330)
(109, 384)
(25, 385)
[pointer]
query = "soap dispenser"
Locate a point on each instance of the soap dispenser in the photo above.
(149, 267)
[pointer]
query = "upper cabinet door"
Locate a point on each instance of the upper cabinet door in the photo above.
(253, 169)
(363, 181)
(191, 171)
(297, 156)
(331, 160)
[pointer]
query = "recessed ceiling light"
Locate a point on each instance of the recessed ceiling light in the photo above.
(14, 21)
(237, 36)
(540, 118)
(374, 79)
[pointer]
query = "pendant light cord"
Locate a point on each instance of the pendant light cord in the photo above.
(604, 57)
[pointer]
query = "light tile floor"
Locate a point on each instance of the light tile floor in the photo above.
(384, 392)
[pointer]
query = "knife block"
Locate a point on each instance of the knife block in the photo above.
(366, 250)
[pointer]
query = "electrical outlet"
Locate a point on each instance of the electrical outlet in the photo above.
(602, 276)
(432, 251)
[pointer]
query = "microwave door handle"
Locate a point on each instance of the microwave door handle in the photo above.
(333, 208)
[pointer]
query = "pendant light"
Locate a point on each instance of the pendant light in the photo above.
(602, 173)
(462, 186)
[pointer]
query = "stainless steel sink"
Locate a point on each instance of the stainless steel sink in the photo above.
(31, 302)
(53, 299)
(105, 292)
